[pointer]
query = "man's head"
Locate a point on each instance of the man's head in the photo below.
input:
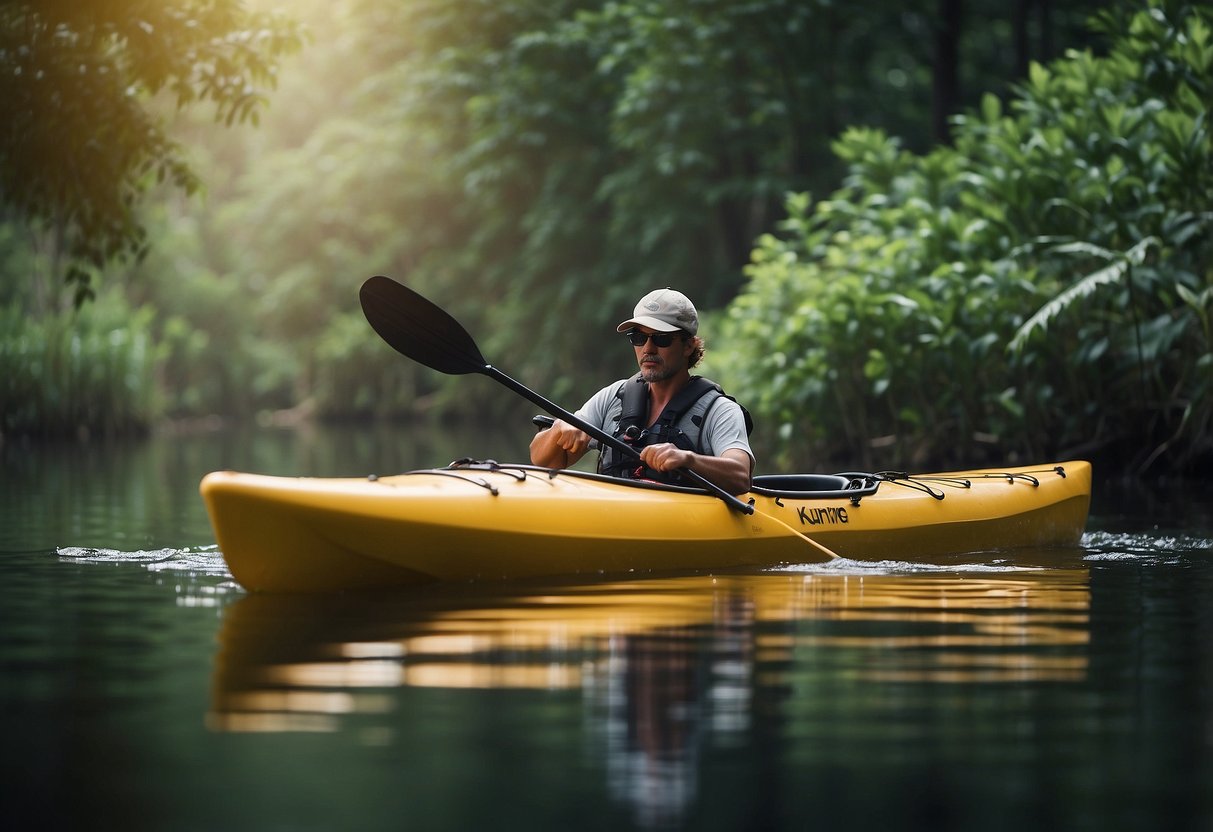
(663, 330)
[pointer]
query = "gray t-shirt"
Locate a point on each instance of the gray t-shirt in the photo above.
(723, 430)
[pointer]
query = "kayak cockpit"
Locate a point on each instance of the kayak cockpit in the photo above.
(815, 486)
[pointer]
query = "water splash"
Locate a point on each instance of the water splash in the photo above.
(192, 567)
(846, 566)
(1100, 546)
(202, 560)
(1144, 548)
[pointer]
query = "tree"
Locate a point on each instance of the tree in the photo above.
(80, 137)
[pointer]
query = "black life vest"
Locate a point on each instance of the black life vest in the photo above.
(675, 425)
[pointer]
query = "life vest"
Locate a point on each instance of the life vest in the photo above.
(680, 423)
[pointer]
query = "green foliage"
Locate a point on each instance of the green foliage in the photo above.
(79, 144)
(84, 372)
(536, 166)
(1042, 288)
(357, 378)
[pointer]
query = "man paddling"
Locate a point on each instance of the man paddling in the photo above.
(677, 421)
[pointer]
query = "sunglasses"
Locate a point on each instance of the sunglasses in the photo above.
(660, 339)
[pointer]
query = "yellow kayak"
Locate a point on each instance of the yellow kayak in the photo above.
(489, 521)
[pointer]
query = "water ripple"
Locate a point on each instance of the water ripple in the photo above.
(846, 566)
(1117, 546)
(200, 561)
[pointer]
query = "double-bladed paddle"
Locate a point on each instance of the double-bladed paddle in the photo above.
(429, 335)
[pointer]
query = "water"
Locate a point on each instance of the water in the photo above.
(142, 689)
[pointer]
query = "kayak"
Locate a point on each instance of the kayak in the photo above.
(476, 521)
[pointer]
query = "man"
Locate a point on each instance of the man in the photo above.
(677, 421)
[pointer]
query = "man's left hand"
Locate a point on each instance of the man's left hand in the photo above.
(666, 457)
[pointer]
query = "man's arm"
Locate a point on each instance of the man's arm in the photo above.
(732, 470)
(562, 445)
(559, 446)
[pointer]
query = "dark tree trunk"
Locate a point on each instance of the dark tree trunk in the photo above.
(1032, 17)
(1046, 29)
(946, 92)
(1019, 25)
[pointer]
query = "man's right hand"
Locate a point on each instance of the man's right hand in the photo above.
(559, 446)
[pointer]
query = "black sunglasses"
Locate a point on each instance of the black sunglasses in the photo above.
(660, 339)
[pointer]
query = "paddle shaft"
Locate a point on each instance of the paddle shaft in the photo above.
(605, 438)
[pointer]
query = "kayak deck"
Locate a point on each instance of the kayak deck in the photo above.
(485, 521)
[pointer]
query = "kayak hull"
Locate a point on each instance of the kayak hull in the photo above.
(281, 534)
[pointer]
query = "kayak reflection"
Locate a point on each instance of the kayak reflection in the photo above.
(664, 666)
(279, 653)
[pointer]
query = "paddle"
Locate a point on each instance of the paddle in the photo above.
(426, 333)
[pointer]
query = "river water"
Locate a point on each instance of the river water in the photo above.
(141, 688)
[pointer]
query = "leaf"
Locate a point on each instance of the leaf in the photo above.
(1080, 290)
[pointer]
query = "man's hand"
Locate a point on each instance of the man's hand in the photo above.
(731, 470)
(573, 440)
(666, 457)
(559, 446)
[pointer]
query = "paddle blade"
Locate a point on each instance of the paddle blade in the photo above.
(415, 327)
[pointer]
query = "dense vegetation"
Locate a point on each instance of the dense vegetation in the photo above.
(536, 166)
(1043, 287)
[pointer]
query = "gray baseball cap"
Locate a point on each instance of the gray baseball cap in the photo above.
(664, 310)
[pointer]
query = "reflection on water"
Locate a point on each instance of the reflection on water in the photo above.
(931, 629)
(664, 667)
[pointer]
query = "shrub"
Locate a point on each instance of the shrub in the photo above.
(82, 372)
